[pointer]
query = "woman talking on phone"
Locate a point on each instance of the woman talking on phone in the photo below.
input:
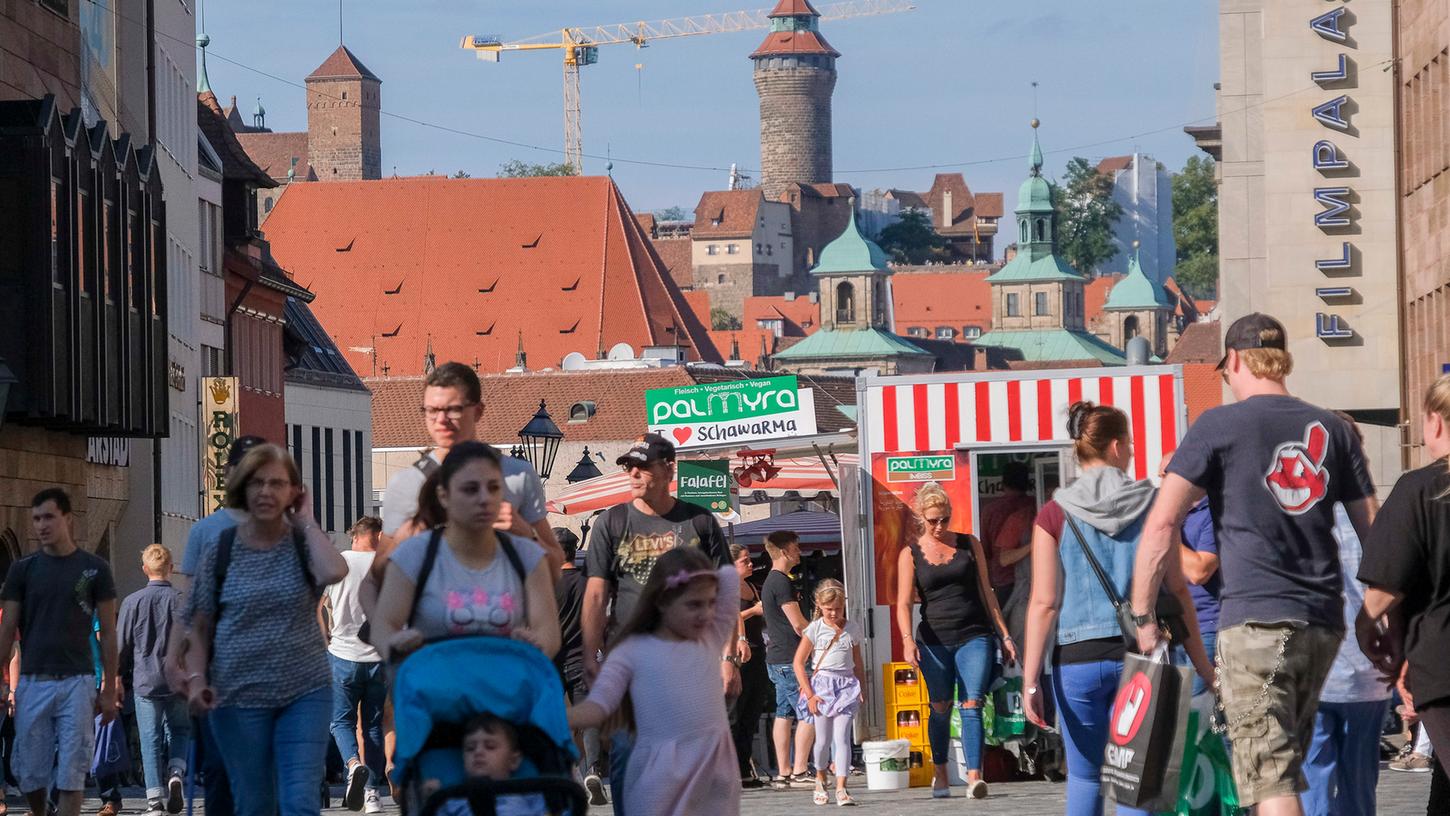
(259, 663)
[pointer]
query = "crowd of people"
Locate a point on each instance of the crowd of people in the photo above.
(1263, 560)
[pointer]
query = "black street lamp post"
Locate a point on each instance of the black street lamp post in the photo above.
(585, 470)
(540, 442)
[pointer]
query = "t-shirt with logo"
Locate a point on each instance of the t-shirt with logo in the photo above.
(1273, 467)
(58, 597)
(625, 544)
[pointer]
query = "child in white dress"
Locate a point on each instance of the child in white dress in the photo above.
(831, 695)
(668, 662)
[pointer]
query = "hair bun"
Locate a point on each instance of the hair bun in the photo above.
(1077, 413)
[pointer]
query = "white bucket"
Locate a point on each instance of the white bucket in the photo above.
(887, 764)
(957, 768)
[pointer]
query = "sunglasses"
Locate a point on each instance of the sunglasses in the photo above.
(936, 522)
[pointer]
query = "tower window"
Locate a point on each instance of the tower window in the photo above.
(1130, 328)
(1040, 230)
(845, 303)
(1039, 304)
(344, 94)
(1013, 309)
(732, 249)
(712, 250)
(720, 279)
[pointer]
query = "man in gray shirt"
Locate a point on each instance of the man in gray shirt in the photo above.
(452, 406)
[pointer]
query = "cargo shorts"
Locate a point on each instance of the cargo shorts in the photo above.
(1269, 679)
(55, 731)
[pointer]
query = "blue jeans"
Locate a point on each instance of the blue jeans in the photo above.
(620, 747)
(1084, 693)
(1180, 658)
(962, 672)
(276, 757)
(217, 789)
(787, 690)
(1343, 763)
(354, 686)
(165, 728)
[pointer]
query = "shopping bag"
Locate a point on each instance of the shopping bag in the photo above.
(1146, 731)
(113, 754)
(1206, 785)
(1009, 718)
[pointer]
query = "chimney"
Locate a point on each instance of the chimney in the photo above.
(946, 208)
(789, 296)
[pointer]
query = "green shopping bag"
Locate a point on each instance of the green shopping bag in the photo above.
(1008, 717)
(1206, 787)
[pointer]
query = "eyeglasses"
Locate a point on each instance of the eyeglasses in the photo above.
(937, 522)
(453, 412)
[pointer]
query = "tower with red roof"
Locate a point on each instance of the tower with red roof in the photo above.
(344, 104)
(795, 74)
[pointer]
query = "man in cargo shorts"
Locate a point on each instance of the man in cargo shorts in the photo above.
(1272, 467)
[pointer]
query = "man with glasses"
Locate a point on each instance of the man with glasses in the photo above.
(626, 541)
(452, 406)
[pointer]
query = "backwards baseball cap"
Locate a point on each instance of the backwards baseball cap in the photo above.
(240, 448)
(1253, 331)
(647, 450)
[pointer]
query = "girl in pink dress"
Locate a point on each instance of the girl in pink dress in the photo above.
(667, 663)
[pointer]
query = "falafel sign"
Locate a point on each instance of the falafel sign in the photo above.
(737, 411)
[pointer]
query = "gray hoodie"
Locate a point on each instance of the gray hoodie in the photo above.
(1106, 499)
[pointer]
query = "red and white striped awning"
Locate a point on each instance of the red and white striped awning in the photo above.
(804, 475)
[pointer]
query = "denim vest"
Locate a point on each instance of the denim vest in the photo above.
(1086, 612)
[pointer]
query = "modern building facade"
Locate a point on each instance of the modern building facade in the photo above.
(1307, 199)
(1143, 187)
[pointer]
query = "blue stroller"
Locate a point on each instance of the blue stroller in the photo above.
(444, 684)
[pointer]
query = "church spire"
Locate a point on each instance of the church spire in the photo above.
(430, 362)
(521, 360)
(1034, 160)
(203, 84)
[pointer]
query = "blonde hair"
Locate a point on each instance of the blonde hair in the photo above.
(828, 591)
(1268, 363)
(156, 559)
(931, 495)
(246, 470)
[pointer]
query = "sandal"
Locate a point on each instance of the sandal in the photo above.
(843, 798)
(819, 797)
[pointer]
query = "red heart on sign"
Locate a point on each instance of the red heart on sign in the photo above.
(681, 434)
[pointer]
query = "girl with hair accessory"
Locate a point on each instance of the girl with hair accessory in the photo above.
(831, 695)
(663, 669)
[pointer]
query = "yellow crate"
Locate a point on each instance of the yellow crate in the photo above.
(920, 769)
(906, 722)
(902, 684)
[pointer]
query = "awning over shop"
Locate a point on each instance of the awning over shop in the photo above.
(814, 527)
(804, 475)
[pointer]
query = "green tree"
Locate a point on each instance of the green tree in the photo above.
(721, 320)
(513, 168)
(676, 213)
(1195, 227)
(462, 175)
(911, 240)
(1086, 213)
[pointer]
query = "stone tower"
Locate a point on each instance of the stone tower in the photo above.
(343, 105)
(795, 74)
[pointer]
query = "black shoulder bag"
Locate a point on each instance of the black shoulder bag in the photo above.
(435, 541)
(1168, 611)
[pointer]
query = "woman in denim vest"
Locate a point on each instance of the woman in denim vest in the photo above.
(1087, 657)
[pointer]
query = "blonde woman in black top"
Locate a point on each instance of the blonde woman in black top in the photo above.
(954, 647)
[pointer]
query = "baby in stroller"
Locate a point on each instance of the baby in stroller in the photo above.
(491, 752)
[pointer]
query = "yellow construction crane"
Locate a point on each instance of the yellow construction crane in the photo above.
(581, 47)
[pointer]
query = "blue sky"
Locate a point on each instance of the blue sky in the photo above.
(945, 84)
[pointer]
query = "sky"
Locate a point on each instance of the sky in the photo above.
(948, 84)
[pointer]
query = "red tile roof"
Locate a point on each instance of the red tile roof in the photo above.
(342, 64)
(989, 205)
(698, 301)
(510, 401)
(677, 256)
(801, 315)
(727, 214)
(1095, 295)
(646, 222)
(930, 300)
(1199, 343)
(794, 8)
(470, 264)
(273, 152)
(787, 43)
(1202, 388)
(966, 206)
(236, 164)
(908, 198)
(1113, 164)
(748, 339)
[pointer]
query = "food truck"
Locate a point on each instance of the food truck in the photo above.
(958, 430)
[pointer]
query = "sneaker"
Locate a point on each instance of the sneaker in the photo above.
(155, 808)
(108, 809)
(595, 786)
(802, 781)
(750, 783)
(175, 794)
(372, 803)
(977, 790)
(1411, 762)
(357, 782)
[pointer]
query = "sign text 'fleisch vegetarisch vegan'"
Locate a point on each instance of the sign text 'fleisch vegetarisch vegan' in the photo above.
(736, 411)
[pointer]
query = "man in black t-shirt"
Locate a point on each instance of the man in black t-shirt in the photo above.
(1273, 468)
(784, 622)
(56, 598)
(626, 541)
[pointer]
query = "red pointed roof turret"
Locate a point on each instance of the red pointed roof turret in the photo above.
(794, 8)
(342, 64)
(794, 31)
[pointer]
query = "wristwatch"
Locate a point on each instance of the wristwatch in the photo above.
(1144, 620)
(735, 659)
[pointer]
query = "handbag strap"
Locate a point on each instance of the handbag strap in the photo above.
(1113, 596)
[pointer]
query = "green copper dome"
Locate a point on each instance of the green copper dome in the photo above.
(1035, 194)
(851, 253)
(1137, 290)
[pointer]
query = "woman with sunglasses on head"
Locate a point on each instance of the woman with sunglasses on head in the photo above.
(955, 647)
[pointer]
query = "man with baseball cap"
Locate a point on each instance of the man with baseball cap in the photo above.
(625, 542)
(1272, 467)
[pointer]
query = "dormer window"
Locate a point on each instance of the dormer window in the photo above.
(582, 411)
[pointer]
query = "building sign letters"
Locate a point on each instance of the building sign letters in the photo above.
(1336, 203)
(736, 411)
(704, 483)
(108, 450)
(219, 431)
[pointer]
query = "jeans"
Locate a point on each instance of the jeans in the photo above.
(218, 788)
(275, 756)
(1084, 693)
(1180, 658)
(787, 690)
(354, 686)
(165, 728)
(1343, 764)
(960, 671)
(621, 744)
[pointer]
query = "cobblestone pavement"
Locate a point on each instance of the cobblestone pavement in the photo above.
(1401, 794)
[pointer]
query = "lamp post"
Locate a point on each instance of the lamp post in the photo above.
(584, 470)
(7, 379)
(540, 440)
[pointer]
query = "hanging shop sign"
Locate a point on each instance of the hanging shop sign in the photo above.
(736, 411)
(938, 468)
(705, 483)
(219, 429)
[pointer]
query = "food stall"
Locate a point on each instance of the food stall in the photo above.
(958, 430)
